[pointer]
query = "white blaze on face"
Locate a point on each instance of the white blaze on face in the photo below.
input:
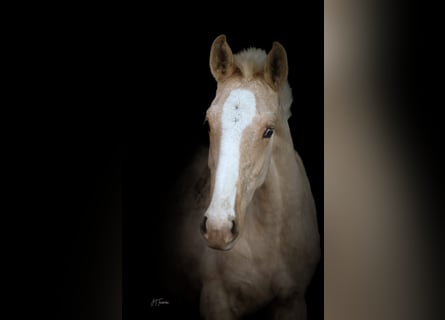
(238, 112)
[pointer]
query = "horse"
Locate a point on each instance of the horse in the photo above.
(248, 236)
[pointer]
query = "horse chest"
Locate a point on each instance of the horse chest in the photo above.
(248, 273)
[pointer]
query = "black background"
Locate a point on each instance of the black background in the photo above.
(122, 102)
(169, 127)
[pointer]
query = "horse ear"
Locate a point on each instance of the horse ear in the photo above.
(275, 69)
(221, 58)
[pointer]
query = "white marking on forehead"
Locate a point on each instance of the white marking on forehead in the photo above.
(237, 113)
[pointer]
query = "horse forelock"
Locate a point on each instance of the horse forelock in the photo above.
(250, 62)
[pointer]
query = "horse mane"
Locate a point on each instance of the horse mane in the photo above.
(250, 62)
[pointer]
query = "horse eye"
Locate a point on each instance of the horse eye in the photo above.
(268, 133)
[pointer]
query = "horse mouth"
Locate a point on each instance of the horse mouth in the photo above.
(223, 247)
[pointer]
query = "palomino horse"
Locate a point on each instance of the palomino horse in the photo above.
(249, 236)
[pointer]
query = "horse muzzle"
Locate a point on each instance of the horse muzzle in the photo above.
(221, 237)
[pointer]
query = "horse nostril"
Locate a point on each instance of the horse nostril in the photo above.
(234, 228)
(203, 225)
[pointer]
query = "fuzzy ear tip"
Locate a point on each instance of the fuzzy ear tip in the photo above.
(221, 37)
(277, 45)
